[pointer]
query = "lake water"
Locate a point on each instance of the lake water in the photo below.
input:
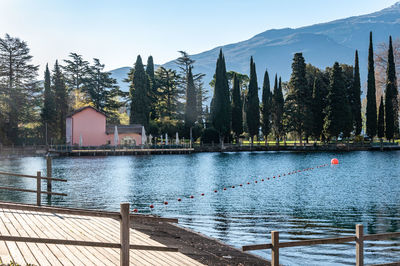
(321, 203)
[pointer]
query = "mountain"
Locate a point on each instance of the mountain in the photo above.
(321, 44)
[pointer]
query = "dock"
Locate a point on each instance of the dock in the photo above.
(34, 224)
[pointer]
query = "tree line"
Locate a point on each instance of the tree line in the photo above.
(314, 104)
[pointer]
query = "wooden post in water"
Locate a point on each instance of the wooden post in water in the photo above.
(49, 172)
(359, 245)
(275, 248)
(38, 188)
(124, 234)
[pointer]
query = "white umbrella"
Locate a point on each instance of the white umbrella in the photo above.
(166, 139)
(144, 138)
(161, 140)
(116, 137)
(177, 139)
(80, 140)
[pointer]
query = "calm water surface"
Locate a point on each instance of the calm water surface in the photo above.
(324, 202)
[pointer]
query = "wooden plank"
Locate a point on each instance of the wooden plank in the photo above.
(61, 252)
(107, 255)
(25, 251)
(82, 212)
(381, 236)
(169, 258)
(33, 176)
(84, 254)
(21, 227)
(41, 251)
(136, 257)
(256, 247)
(48, 230)
(32, 191)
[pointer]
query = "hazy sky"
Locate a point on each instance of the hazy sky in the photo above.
(117, 31)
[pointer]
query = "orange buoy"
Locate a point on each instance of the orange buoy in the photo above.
(334, 161)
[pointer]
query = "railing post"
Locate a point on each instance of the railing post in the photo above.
(359, 245)
(49, 172)
(275, 248)
(124, 234)
(38, 188)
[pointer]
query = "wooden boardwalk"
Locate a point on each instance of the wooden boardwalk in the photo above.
(74, 227)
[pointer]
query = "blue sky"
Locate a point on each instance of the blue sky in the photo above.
(117, 31)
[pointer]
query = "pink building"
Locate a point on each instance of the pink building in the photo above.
(87, 127)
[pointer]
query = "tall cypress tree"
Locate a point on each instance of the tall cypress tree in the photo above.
(381, 120)
(298, 104)
(237, 115)
(253, 103)
(371, 97)
(48, 114)
(356, 98)
(391, 103)
(220, 104)
(318, 104)
(266, 108)
(277, 109)
(333, 122)
(60, 92)
(139, 95)
(152, 88)
(190, 105)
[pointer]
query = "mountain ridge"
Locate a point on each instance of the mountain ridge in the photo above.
(322, 44)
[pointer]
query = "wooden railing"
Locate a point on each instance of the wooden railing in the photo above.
(359, 238)
(38, 190)
(123, 216)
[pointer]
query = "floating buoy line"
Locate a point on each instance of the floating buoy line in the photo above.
(334, 161)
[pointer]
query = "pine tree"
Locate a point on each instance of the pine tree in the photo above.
(381, 120)
(102, 91)
(253, 103)
(61, 95)
(20, 91)
(356, 98)
(139, 95)
(318, 105)
(266, 108)
(220, 104)
(48, 114)
(75, 72)
(277, 109)
(371, 97)
(190, 104)
(391, 102)
(237, 115)
(168, 94)
(333, 122)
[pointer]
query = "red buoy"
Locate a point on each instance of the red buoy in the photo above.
(248, 183)
(255, 181)
(192, 197)
(267, 178)
(262, 179)
(134, 210)
(165, 202)
(240, 185)
(151, 206)
(179, 199)
(233, 186)
(202, 194)
(334, 161)
(215, 191)
(224, 188)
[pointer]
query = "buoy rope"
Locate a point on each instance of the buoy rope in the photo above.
(151, 206)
